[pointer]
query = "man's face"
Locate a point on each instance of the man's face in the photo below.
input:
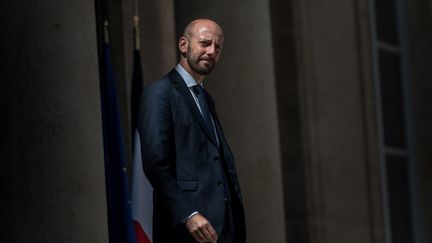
(204, 48)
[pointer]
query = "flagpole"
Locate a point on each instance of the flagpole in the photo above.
(136, 30)
(106, 32)
(137, 38)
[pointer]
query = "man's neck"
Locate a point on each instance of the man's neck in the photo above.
(198, 78)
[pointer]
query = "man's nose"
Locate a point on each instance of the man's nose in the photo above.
(211, 50)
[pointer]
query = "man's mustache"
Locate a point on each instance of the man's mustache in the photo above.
(209, 59)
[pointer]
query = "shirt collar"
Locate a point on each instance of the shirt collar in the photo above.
(188, 79)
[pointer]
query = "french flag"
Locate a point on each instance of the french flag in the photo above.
(142, 191)
(142, 197)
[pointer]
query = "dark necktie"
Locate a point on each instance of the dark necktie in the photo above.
(202, 99)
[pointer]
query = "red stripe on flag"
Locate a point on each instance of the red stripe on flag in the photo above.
(140, 234)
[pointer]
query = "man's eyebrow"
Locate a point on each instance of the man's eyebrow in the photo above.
(209, 39)
(204, 39)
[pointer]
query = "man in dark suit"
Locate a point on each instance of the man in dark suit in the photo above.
(185, 154)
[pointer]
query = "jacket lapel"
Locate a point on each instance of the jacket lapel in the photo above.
(181, 87)
(219, 131)
(224, 149)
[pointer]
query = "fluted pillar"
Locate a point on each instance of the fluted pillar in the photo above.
(53, 154)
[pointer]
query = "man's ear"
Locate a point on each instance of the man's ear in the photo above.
(183, 44)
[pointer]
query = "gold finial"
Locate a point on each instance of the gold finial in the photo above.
(106, 34)
(136, 32)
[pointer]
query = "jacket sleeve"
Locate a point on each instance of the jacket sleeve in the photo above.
(155, 126)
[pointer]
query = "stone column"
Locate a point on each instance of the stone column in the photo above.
(338, 121)
(54, 187)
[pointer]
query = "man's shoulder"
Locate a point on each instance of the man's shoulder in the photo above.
(159, 86)
(163, 88)
(162, 83)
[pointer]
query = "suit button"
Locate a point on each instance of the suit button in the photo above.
(220, 183)
(216, 159)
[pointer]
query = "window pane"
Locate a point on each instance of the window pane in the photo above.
(385, 12)
(392, 99)
(399, 199)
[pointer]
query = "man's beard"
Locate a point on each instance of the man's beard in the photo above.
(193, 62)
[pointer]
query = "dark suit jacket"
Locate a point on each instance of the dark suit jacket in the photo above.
(183, 163)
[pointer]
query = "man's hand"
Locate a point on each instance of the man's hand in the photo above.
(201, 229)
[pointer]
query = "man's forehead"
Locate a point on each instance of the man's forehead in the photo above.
(207, 33)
